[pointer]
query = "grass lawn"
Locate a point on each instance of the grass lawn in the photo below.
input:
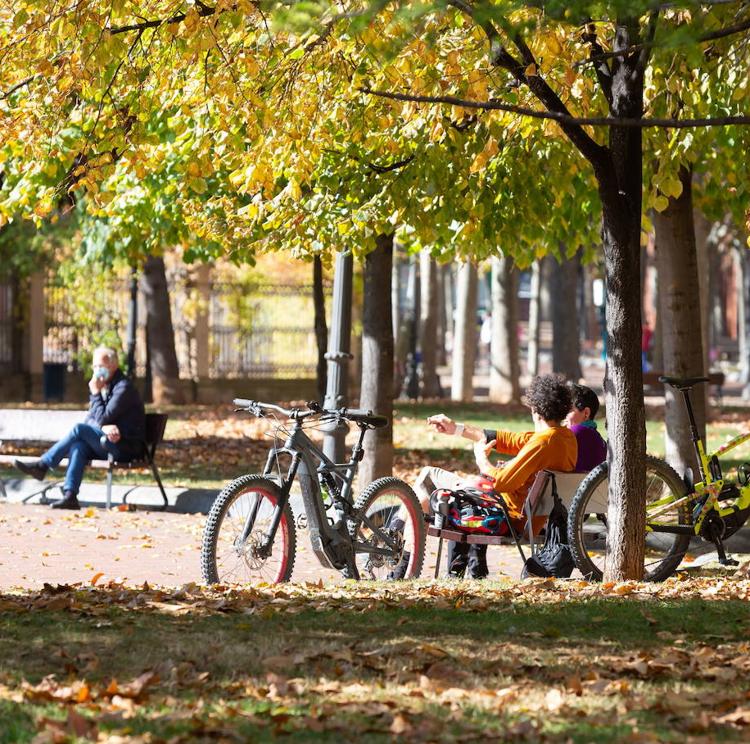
(206, 446)
(541, 661)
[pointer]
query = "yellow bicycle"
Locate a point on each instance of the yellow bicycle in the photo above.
(677, 509)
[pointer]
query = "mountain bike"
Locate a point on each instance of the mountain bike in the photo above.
(677, 509)
(250, 533)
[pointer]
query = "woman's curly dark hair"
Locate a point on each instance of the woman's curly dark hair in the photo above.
(550, 397)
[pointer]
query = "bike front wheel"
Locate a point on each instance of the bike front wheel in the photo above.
(235, 546)
(388, 531)
(665, 506)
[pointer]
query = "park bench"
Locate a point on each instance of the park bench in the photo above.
(46, 427)
(538, 503)
(651, 380)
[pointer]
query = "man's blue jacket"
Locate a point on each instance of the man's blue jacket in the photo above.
(120, 405)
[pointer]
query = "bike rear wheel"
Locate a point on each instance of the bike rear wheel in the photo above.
(587, 522)
(379, 513)
(236, 530)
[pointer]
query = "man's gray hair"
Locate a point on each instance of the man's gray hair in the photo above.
(108, 353)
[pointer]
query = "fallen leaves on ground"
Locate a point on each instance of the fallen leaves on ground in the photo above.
(524, 684)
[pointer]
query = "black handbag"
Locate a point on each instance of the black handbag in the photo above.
(555, 558)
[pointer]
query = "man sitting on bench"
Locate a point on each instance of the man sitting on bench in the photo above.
(550, 446)
(115, 425)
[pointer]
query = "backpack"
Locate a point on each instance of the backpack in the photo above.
(555, 558)
(473, 511)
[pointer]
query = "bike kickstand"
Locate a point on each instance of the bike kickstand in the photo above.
(723, 560)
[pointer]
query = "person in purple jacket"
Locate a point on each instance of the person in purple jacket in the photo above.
(592, 449)
(115, 425)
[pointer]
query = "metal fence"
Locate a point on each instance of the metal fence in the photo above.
(262, 330)
(254, 330)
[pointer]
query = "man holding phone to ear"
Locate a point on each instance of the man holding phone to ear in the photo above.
(115, 425)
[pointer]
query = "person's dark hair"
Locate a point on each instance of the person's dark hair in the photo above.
(585, 397)
(550, 397)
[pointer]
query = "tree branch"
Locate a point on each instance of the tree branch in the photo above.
(8, 93)
(203, 12)
(565, 119)
(601, 67)
(711, 36)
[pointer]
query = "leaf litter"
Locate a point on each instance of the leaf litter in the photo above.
(526, 684)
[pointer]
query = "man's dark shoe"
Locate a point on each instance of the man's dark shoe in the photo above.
(35, 469)
(70, 501)
(400, 569)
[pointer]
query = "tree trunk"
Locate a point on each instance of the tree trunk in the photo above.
(465, 334)
(160, 333)
(428, 324)
(449, 306)
(441, 355)
(532, 346)
(377, 359)
(505, 372)
(566, 337)
(682, 346)
(620, 182)
(743, 294)
(321, 329)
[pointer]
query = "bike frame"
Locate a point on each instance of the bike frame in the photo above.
(331, 543)
(709, 486)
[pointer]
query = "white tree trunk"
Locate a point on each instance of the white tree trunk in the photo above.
(505, 370)
(532, 353)
(465, 333)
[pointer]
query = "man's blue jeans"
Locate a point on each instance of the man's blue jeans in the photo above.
(81, 445)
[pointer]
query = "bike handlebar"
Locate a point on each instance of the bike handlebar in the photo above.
(257, 408)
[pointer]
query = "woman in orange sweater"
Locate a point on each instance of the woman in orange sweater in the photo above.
(551, 445)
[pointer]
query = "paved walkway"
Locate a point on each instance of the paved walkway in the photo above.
(41, 545)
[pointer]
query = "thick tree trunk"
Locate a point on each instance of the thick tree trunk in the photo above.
(465, 334)
(566, 334)
(321, 328)
(532, 346)
(505, 372)
(743, 294)
(620, 184)
(160, 333)
(428, 324)
(682, 346)
(377, 359)
(702, 232)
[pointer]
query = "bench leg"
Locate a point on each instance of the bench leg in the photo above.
(157, 478)
(439, 554)
(109, 484)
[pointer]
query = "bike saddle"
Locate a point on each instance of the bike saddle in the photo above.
(682, 383)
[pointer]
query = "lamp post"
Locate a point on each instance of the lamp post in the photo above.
(338, 354)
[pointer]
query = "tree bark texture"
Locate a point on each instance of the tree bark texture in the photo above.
(743, 293)
(566, 332)
(505, 372)
(465, 334)
(321, 328)
(377, 359)
(620, 182)
(160, 334)
(428, 324)
(532, 343)
(679, 307)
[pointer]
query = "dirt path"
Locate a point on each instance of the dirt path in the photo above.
(41, 545)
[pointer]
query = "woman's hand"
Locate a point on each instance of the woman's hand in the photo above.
(481, 455)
